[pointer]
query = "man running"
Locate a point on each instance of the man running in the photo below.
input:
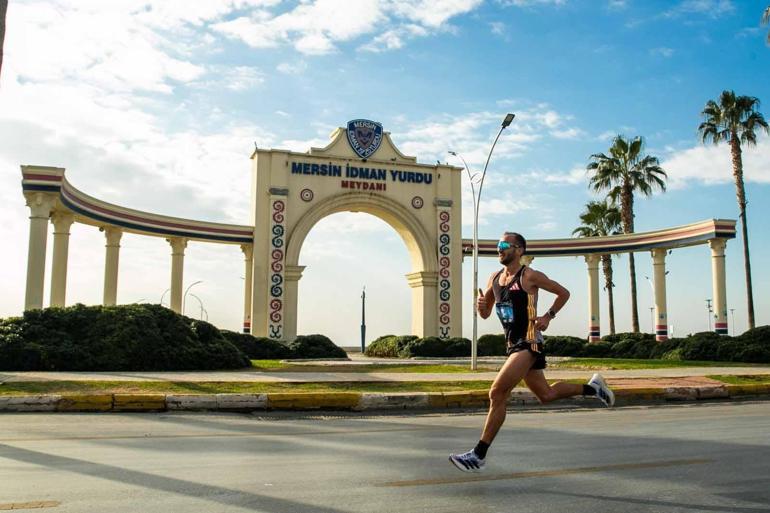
(513, 293)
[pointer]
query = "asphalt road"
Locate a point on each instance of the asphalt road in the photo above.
(695, 457)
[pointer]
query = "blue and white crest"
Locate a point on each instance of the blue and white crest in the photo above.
(364, 136)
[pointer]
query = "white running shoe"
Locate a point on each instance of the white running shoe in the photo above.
(467, 462)
(603, 392)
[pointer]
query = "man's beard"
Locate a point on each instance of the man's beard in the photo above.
(507, 259)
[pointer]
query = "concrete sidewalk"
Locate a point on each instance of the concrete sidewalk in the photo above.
(646, 386)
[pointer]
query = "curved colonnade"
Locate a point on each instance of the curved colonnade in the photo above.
(52, 199)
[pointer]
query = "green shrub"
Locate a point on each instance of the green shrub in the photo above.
(617, 337)
(436, 347)
(108, 338)
(701, 346)
(258, 348)
(388, 346)
(597, 350)
(491, 345)
(757, 336)
(315, 346)
(564, 345)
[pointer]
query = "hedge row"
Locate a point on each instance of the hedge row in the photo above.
(752, 346)
(392, 346)
(304, 346)
(138, 337)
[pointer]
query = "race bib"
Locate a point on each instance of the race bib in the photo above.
(505, 312)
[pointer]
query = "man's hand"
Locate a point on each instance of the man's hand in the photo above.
(542, 322)
(481, 302)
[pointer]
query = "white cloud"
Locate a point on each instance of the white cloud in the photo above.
(710, 8)
(292, 68)
(529, 3)
(317, 27)
(471, 134)
(498, 28)
(713, 165)
(568, 133)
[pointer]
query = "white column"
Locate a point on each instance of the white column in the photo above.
(718, 284)
(178, 245)
(292, 274)
(112, 237)
(594, 324)
(424, 293)
(62, 222)
(659, 275)
(248, 257)
(40, 206)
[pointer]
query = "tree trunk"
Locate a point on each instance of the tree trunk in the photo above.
(735, 150)
(627, 214)
(607, 268)
(3, 10)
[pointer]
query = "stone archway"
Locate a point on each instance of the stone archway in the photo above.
(293, 191)
(424, 276)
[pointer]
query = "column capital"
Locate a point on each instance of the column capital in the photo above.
(112, 234)
(422, 279)
(248, 251)
(659, 255)
(178, 245)
(40, 204)
(293, 272)
(717, 246)
(592, 259)
(62, 221)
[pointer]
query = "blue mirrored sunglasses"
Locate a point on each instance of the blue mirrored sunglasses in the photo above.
(503, 245)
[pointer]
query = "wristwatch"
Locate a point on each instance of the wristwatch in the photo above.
(551, 313)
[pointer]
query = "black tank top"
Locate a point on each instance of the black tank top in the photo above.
(515, 307)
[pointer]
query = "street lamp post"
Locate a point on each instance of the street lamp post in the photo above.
(201, 305)
(732, 314)
(476, 203)
(363, 320)
(652, 308)
(163, 295)
(184, 297)
(708, 307)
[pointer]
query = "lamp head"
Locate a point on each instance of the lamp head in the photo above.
(508, 119)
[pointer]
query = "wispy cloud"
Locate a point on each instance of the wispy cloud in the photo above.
(387, 25)
(662, 51)
(711, 165)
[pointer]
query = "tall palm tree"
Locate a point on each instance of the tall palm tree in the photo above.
(600, 219)
(624, 172)
(734, 120)
(3, 10)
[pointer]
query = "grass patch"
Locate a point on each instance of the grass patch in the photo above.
(742, 380)
(220, 387)
(278, 366)
(630, 363)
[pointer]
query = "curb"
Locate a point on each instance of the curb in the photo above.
(348, 401)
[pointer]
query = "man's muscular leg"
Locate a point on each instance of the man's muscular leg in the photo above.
(515, 368)
(536, 382)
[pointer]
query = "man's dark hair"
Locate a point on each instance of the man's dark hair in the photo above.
(520, 240)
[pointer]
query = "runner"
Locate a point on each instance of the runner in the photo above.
(513, 292)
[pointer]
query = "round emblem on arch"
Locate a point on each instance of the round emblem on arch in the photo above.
(306, 195)
(417, 202)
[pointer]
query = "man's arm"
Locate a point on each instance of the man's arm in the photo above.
(542, 281)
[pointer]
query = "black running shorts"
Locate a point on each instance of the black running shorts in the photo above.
(525, 345)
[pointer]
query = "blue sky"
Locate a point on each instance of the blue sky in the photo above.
(156, 105)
